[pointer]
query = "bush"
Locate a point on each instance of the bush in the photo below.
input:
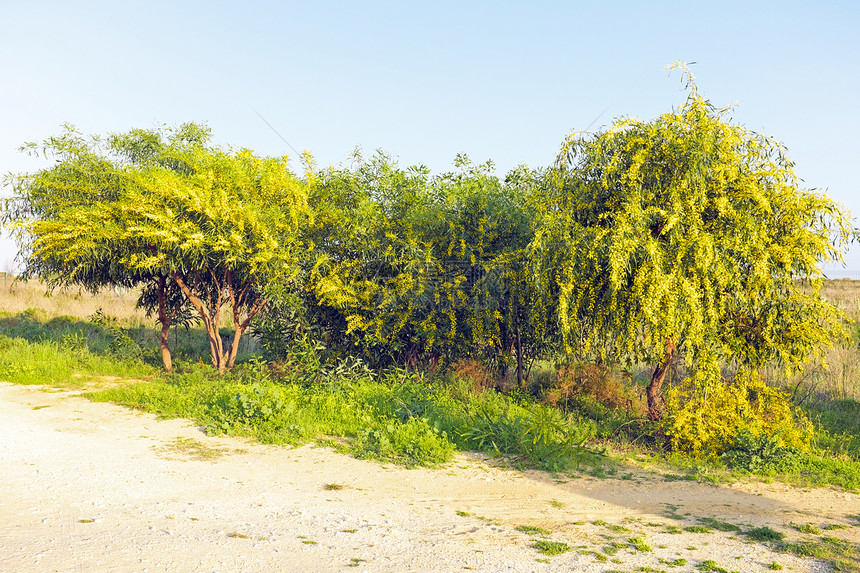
(414, 442)
(575, 381)
(471, 370)
(705, 419)
(761, 453)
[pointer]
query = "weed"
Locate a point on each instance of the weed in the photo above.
(532, 530)
(764, 534)
(718, 524)
(672, 512)
(190, 448)
(556, 504)
(806, 528)
(613, 548)
(697, 529)
(617, 528)
(775, 566)
(355, 562)
(86, 521)
(598, 557)
(679, 562)
(639, 544)
(551, 547)
(842, 555)
(710, 566)
(333, 487)
(238, 535)
(831, 526)
(349, 530)
(673, 530)
(462, 513)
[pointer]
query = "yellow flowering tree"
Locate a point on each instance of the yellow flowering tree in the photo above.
(690, 236)
(420, 268)
(191, 223)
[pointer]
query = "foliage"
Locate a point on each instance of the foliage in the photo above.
(837, 423)
(393, 419)
(414, 269)
(688, 236)
(551, 547)
(577, 380)
(760, 453)
(412, 442)
(706, 419)
(840, 554)
(193, 223)
(64, 351)
(763, 534)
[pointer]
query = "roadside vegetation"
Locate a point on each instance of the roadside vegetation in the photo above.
(654, 297)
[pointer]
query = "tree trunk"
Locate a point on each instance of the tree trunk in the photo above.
(216, 345)
(519, 344)
(164, 319)
(233, 350)
(655, 408)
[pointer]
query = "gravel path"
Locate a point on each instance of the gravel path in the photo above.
(97, 487)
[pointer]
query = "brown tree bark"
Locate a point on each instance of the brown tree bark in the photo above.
(655, 407)
(216, 345)
(164, 320)
(519, 343)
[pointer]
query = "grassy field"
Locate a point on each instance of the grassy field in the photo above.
(107, 348)
(103, 343)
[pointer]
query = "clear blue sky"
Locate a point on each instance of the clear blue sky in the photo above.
(505, 81)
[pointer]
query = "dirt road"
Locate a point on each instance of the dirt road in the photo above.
(97, 487)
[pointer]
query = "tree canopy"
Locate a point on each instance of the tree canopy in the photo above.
(165, 209)
(424, 268)
(687, 234)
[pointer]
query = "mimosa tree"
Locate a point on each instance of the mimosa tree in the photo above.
(690, 235)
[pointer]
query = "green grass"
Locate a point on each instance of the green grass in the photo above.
(808, 528)
(639, 544)
(532, 530)
(764, 534)
(65, 352)
(718, 524)
(551, 547)
(394, 415)
(711, 566)
(697, 529)
(843, 556)
(392, 418)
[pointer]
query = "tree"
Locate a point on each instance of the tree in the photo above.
(162, 208)
(427, 268)
(688, 236)
(61, 218)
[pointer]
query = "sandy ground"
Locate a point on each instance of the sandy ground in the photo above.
(97, 487)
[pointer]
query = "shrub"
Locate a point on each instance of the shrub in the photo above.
(595, 381)
(760, 453)
(474, 371)
(705, 419)
(414, 442)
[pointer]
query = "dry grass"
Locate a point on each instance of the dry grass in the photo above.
(598, 382)
(840, 378)
(478, 375)
(18, 296)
